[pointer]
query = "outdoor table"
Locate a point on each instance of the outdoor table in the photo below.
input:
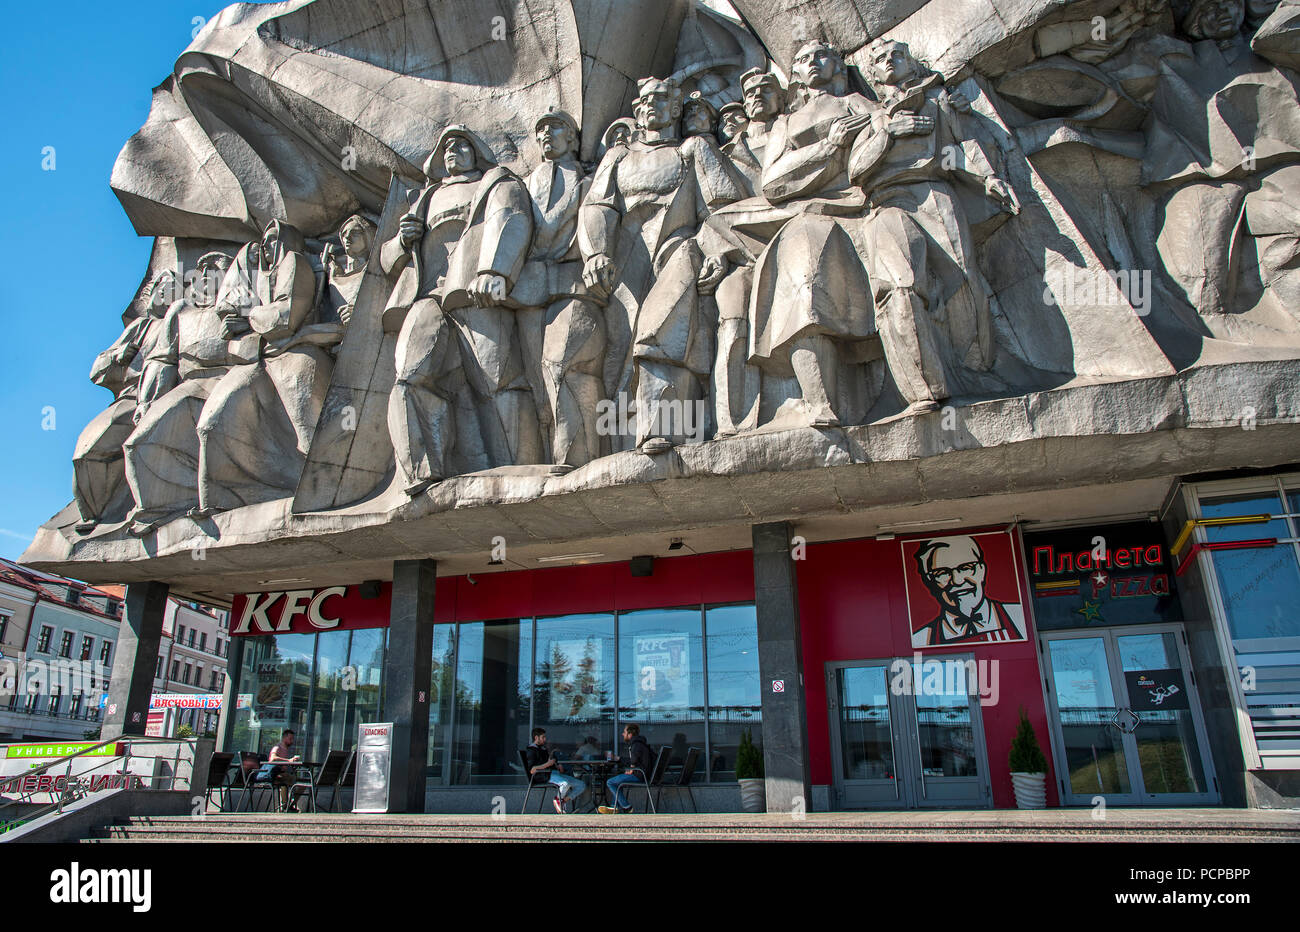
(299, 767)
(598, 770)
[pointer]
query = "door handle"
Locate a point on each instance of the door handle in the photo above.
(1126, 721)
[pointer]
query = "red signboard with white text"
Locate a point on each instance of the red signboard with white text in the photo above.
(309, 611)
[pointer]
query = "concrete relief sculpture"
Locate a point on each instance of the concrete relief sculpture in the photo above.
(742, 255)
(461, 401)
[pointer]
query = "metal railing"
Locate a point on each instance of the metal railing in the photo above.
(78, 787)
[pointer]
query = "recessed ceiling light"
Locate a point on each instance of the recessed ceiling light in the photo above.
(567, 557)
(904, 525)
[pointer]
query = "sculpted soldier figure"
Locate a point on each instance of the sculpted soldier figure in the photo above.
(763, 101)
(698, 116)
(345, 267)
(460, 401)
(562, 329)
(931, 300)
(256, 426)
(647, 201)
(162, 453)
(731, 122)
(99, 474)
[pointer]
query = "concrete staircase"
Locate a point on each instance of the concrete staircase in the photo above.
(1181, 825)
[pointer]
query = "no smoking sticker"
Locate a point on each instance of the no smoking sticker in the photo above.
(778, 686)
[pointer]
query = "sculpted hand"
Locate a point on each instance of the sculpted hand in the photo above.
(959, 101)
(345, 314)
(1003, 193)
(329, 254)
(598, 275)
(712, 271)
(411, 230)
(488, 289)
(911, 124)
(845, 128)
(232, 328)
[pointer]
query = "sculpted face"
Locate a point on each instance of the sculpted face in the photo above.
(457, 155)
(733, 121)
(554, 139)
(209, 272)
(1217, 19)
(762, 100)
(893, 64)
(657, 110)
(816, 65)
(620, 134)
(356, 240)
(269, 241)
(696, 120)
(955, 574)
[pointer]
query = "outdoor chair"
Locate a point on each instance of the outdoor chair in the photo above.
(219, 778)
(684, 776)
(652, 782)
(252, 779)
(541, 781)
(326, 778)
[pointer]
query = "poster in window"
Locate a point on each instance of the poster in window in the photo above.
(963, 590)
(1156, 690)
(663, 671)
(575, 667)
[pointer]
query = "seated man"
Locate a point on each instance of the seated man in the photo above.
(542, 764)
(639, 761)
(280, 777)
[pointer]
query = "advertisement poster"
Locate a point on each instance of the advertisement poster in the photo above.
(374, 760)
(1113, 574)
(575, 679)
(1156, 690)
(663, 666)
(963, 590)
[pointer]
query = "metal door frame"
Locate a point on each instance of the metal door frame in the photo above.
(905, 734)
(1109, 636)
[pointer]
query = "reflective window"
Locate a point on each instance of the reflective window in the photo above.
(493, 686)
(661, 677)
(573, 689)
(442, 692)
(277, 677)
(735, 701)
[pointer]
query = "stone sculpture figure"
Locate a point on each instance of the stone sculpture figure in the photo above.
(731, 122)
(699, 117)
(460, 401)
(932, 303)
(257, 424)
(345, 266)
(162, 452)
(131, 370)
(647, 201)
(562, 329)
(763, 100)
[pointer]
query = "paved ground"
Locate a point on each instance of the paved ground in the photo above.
(1167, 825)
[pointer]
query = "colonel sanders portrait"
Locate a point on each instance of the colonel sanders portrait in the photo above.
(954, 572)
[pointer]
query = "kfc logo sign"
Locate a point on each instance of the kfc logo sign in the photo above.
(307, 604)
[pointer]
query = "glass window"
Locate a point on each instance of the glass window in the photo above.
(735, 700)
(1260, 588)
(661, 677)
(276, 673)
(493, 686)
(573, 690)
(442, 692)
(105, 653)
(4, 627)
(330, 697)
(43, 642)
(65, 646)
(87, 647)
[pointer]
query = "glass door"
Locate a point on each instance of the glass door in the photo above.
(907, 735)
(1126, 721)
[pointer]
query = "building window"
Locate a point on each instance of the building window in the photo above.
(74, 709)
(55, 701)
(157, 669)
(214, 684)
(203, 641)
(105, 653)
(189, 671)
(4, 627)
(43, 642)
(176, 669)
(65, 646)
(190, 642)
(33, 701)
(1258, 588)
(87, 647)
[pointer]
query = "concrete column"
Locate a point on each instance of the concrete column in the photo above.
(407, 672)
(138, 638)
(780, 659)
(230, 695)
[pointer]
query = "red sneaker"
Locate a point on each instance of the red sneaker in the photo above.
(559, 805)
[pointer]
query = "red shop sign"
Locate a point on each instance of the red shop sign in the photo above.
(310, 611)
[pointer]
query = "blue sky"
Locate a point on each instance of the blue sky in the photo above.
(79, 77)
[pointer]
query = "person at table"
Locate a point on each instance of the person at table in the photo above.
(280, 777)
(588, 750)
(544, 768)
(639, 761)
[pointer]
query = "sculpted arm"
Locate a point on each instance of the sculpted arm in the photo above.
(295, 295)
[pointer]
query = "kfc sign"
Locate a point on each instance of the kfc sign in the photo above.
(308, 611)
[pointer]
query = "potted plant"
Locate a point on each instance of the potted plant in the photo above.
(749, 774)
(1028, 767)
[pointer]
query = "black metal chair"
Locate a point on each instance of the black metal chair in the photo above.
(326, 778)
(219, 778)
(651, 782)
(539, 780)
(251, 779)
(684, 776)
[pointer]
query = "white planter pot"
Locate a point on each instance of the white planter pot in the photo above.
(1031, 790)
(753, 795)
